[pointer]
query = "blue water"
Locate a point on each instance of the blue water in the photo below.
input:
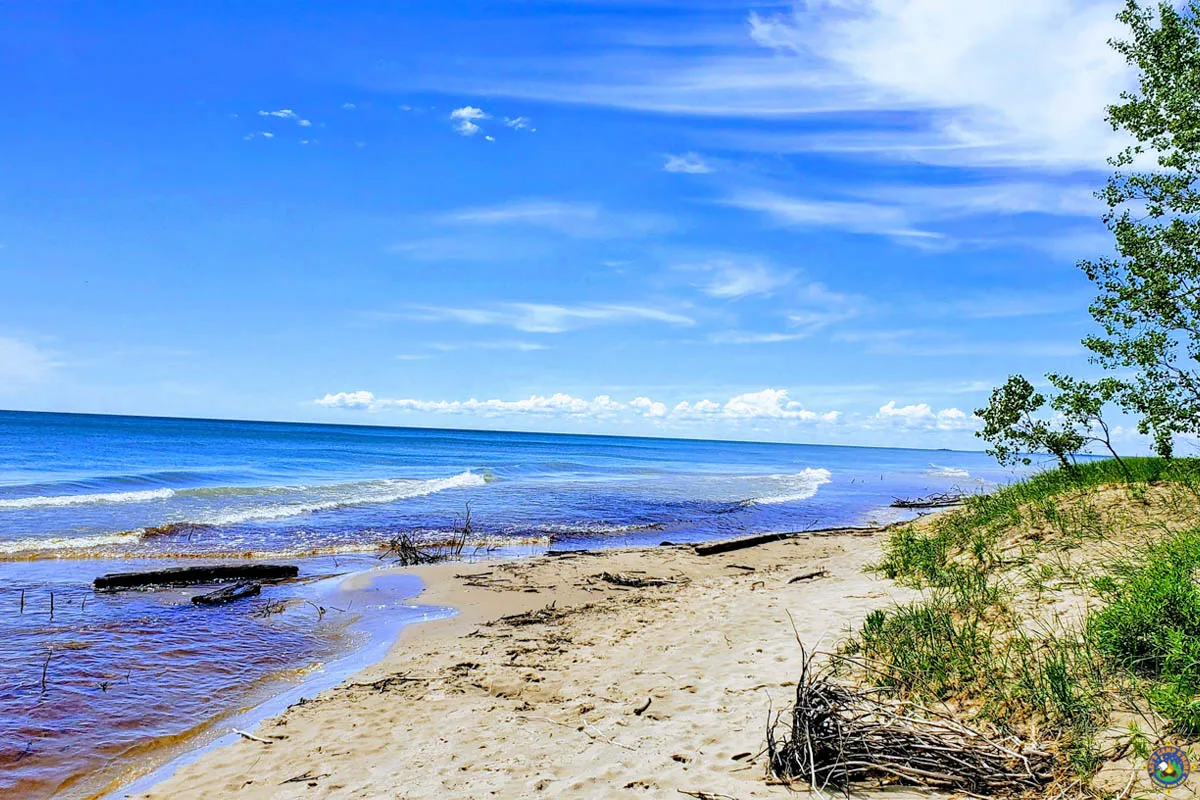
(89, 486)
(92, 690)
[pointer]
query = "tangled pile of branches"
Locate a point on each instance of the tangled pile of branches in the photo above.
(842, 735)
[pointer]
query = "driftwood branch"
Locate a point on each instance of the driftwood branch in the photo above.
(842, 735)
(938, 500)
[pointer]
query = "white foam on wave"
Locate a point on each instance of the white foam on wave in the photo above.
(385, 491)
(791, 488)
(45, 545)
(58, 501)
(935, 471)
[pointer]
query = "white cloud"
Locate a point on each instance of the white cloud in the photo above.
(772, 404)
(648, 408)
(818, 307)
(744, 337)
(465, 119)
(815, 308)
(349, 106)
(690, 163)
(921, 415)
(855, 216)
(1023, 82)
(766, 405)
(558, 404)
(731, 279)
(582, 220)
(355, 400)
(283, 113)
(305, 123)
(551, 318)
(911, 213)
(520, 124)
(519, 346)
(22, 363)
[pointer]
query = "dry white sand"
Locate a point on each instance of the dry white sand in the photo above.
(477, 707)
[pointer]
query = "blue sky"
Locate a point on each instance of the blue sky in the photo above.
(839, 221)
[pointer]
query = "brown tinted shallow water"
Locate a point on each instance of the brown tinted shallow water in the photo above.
(116, 683)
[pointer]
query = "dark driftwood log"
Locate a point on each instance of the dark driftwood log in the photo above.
(227, 594)
(190, 576)
(729, 545)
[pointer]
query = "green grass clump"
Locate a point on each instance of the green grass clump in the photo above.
(1151, 627)
(926, 649)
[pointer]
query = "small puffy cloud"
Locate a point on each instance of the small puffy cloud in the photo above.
(355, 400)
(305, 123)
(283, 113)
(689, 163)
(465, 119)
(772, 404)
(349, 107)
(648, 408)
(921, 415)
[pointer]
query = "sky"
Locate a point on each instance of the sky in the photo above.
(837, 221)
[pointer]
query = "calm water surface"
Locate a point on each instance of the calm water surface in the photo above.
(111, 678)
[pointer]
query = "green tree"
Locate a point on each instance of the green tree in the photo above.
(1015, 423)
(1012, 427)
(1149, 293)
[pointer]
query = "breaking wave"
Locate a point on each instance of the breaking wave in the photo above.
(385, 491)
(59, 543)
(935, 471)
(57, 501)
(790, 488)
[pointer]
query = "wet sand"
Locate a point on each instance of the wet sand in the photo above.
(604, 691)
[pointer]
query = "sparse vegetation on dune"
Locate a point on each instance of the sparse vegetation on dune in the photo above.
(1063, 611)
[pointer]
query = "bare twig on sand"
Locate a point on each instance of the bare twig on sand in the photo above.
(307, 777)
(252, 737)
(808, 576)
(841, 735)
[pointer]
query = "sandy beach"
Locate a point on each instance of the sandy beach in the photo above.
(554, 681)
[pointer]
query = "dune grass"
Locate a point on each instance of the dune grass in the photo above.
(979, 641)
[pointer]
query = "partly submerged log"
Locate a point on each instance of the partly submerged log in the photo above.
(228, 594)
(191, 576)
